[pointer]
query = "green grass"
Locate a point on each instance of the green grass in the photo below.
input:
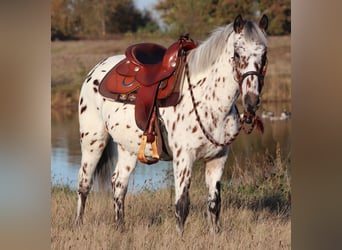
(262, 184)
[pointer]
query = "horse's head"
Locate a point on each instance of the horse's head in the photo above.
(250, 60)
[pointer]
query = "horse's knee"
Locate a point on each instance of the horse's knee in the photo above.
(182, 209)
(119, 186)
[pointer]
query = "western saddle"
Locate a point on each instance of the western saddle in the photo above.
(149, 77)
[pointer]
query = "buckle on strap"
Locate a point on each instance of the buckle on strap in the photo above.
(141, 154)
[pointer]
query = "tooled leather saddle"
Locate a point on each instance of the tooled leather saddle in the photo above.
(149, 77)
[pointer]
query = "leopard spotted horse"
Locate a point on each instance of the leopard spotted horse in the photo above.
(230, 63)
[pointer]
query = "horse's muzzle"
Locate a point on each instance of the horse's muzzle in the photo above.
(251, 103)
(248, 117)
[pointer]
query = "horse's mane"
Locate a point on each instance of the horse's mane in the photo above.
(208, 51)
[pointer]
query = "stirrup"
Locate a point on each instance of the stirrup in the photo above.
(141, 154)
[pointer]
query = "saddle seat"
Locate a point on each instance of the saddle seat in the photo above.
(148, 77)
(150, 62)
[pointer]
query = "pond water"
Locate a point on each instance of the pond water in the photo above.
(66, 155)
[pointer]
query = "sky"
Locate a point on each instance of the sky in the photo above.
(148, 5)
(145, 4)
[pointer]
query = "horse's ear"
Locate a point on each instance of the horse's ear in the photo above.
(238, 24)
(263, 24)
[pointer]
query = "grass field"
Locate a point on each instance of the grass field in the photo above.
(150, 224)
(256, 205)
(72, 60)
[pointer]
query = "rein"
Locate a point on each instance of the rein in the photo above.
(247, 117)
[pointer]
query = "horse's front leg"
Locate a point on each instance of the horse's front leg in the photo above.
(213, 174)
(124, 167)
(182, 174)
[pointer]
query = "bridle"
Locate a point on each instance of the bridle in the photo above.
(247, 117)
(253, 73)
(260, 75)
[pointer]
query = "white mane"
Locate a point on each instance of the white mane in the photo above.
(206, 53)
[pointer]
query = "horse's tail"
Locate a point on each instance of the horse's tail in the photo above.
(105, 165)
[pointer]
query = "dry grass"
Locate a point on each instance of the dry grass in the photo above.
(255, 214)
(150, 224)
(72, 60)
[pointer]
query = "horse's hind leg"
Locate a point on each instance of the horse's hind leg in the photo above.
(126, 162)
(93, 142)
(213, 174)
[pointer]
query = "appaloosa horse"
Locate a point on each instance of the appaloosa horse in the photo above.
(230, 62)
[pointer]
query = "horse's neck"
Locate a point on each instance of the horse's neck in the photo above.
(219, 90)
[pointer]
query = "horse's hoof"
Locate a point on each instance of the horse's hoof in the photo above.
(215, 229)
(78, 222)
(180, 229)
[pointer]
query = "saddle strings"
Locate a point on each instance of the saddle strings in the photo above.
(255, 120)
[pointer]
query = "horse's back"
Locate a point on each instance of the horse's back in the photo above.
(103, 67)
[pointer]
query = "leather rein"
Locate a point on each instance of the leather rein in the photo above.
(249, 118)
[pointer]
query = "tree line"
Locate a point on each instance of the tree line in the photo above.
(97, 18)
(72, 19)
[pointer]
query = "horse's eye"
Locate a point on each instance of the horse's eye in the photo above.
(236, 55)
